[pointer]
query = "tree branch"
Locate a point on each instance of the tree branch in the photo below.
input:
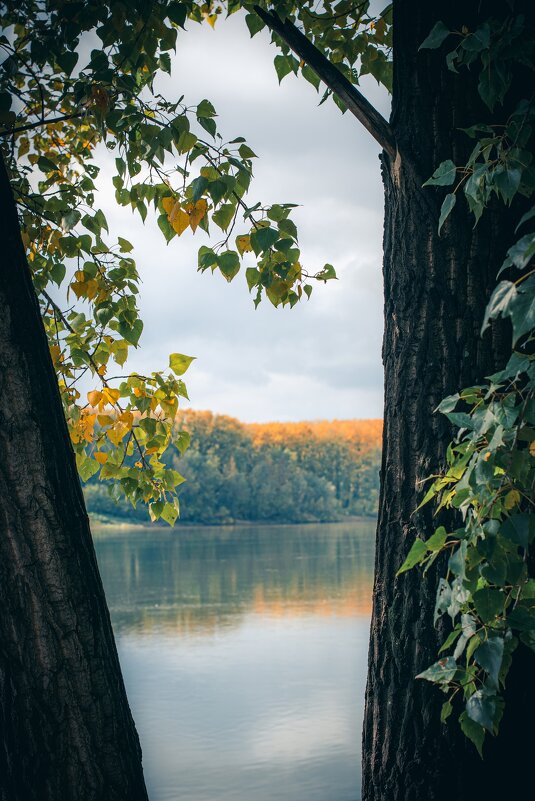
(356, 103)
(31, 125)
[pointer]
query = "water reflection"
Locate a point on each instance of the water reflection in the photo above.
(244, 653)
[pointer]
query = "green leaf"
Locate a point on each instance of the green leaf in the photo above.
(182, 441)
(499, 302)
(438, 34)
(489, 656)
(448, 404)
(223, 216)
(180, 363)
(283, 66)
(262, 239)
(229, 264)
(442, 672)
(206, 258)
(177, 13)
(124, 244)
(444, 174)
(252, 276)
(132, 332)
(86, 467)
(446, 208)
(67, 60)
(328, 273)
(446, 711)
(209, 125)
(310, 76)
(197, 186)
(217, 190)
(205, 109)
(169, 513)
(525, 217)
(254, 23)
(521, 252)
(481, 709)
(474, 732)
(489, 603)
(523, 312)
(519, 529)
(155, 510)
(438, 539)
(508, 182)
(246, 152)
(414, 557)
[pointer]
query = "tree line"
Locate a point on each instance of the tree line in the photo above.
(277, 472)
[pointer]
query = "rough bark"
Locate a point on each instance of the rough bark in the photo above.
(66, 732)
(436, 289)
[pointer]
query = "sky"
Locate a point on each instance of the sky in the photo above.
(320, 360)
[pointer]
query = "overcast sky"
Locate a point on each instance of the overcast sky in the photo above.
(320, 360)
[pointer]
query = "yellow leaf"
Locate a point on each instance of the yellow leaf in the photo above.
(87, 424)
(79, 288)
(532, 448)
(91, 289)
(55, 352)
(179, 219)
(169, 408)
(196, 212)
(110, 395)
(117, 433)
(211, 19)
(243, 243)
(94, 397)
(120, 351)
(101, 457)
(168, 203)
(511, 499)
(53, 241)
(105, 420)
(127, 418)
(24, 146)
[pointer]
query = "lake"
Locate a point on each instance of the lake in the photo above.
(244, 655)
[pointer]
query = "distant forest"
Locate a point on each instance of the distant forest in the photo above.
(273, 472)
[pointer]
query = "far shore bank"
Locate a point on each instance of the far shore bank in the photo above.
(108, 524)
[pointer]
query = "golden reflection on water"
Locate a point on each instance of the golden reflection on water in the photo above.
(198, 581)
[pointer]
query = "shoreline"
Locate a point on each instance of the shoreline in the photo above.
(110, 524)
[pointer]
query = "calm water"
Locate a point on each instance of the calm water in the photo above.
(244, 655)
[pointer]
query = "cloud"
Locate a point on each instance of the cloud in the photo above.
(321, 359)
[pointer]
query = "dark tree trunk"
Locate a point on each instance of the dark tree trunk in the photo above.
(436, 289)
(66, 732)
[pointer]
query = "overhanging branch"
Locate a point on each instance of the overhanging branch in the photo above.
(356, 103)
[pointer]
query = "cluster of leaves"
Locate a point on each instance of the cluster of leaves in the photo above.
(347, 33)
(77, 80)
(489, 588)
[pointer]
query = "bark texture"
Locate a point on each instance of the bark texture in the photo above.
(66, 732)
(436, 289)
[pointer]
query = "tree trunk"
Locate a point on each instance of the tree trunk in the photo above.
(66, 732)
(436, 289)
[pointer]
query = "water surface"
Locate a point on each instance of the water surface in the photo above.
(244, 655)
